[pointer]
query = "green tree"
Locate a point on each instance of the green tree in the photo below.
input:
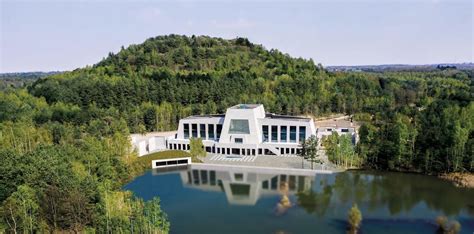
(354, 218)
(347, 151)
(20, 210)
(309, 149)
(196, 148)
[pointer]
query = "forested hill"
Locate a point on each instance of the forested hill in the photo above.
(206, 74)
(419, 121)
(202, 54)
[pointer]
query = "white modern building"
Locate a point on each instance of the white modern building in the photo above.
(244, 130)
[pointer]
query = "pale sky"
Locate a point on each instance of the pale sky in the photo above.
(64, 35)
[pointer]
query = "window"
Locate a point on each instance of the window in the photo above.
(194, 130)
(239, 140)
(239, 176)
(265, 133)
(210, 131)
(202, 131)
(240, 189)
(344, 130)
(274, 183)
(235, 151)
(282, 133)
(293, 134)
(302, 133)
(274, 133)
(212, 177)
(329, 129)
(186, 131)
(196, 176)
(204, 176)
(239, 126)
(219, 130)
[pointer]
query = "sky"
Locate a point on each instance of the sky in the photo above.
(63, 35)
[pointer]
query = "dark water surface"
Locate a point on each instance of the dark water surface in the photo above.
(203, 199)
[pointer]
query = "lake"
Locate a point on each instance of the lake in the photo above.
(219, 199)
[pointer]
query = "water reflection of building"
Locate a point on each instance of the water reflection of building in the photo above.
(244, 185)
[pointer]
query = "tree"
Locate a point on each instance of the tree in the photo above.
(20, 210)
(333, 151)
(309, 149)
(354, 218)
(347, 150)
(196, 147)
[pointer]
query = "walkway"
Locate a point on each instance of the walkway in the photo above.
(232, 158)
(283, 161)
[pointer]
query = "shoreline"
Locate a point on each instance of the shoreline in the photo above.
(463, 180)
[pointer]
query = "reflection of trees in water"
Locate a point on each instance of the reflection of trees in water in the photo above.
(315, 202)
(401, 192)
(396, 191)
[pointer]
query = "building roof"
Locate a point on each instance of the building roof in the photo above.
(246, 106)
(206, 116)
(336, 123)
(286, 117)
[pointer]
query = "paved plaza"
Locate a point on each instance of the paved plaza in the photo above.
(284, 161)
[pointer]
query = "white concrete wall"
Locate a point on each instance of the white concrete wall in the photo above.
(156, 144)
(141, 148)
(252, 116)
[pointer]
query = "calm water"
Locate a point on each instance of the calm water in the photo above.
(205, 199)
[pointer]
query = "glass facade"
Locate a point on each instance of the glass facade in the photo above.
(219, 130)
(239, 126)
(265, 133)
(202, 131)
(302, 133)
(194, 130)
(210, 131)
(186, 131)
(274, 133)
(283, 133)
(293, 134)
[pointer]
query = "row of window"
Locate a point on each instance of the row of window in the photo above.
(210, 134)
(179, 146)
(237, 151)
(283, 136)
